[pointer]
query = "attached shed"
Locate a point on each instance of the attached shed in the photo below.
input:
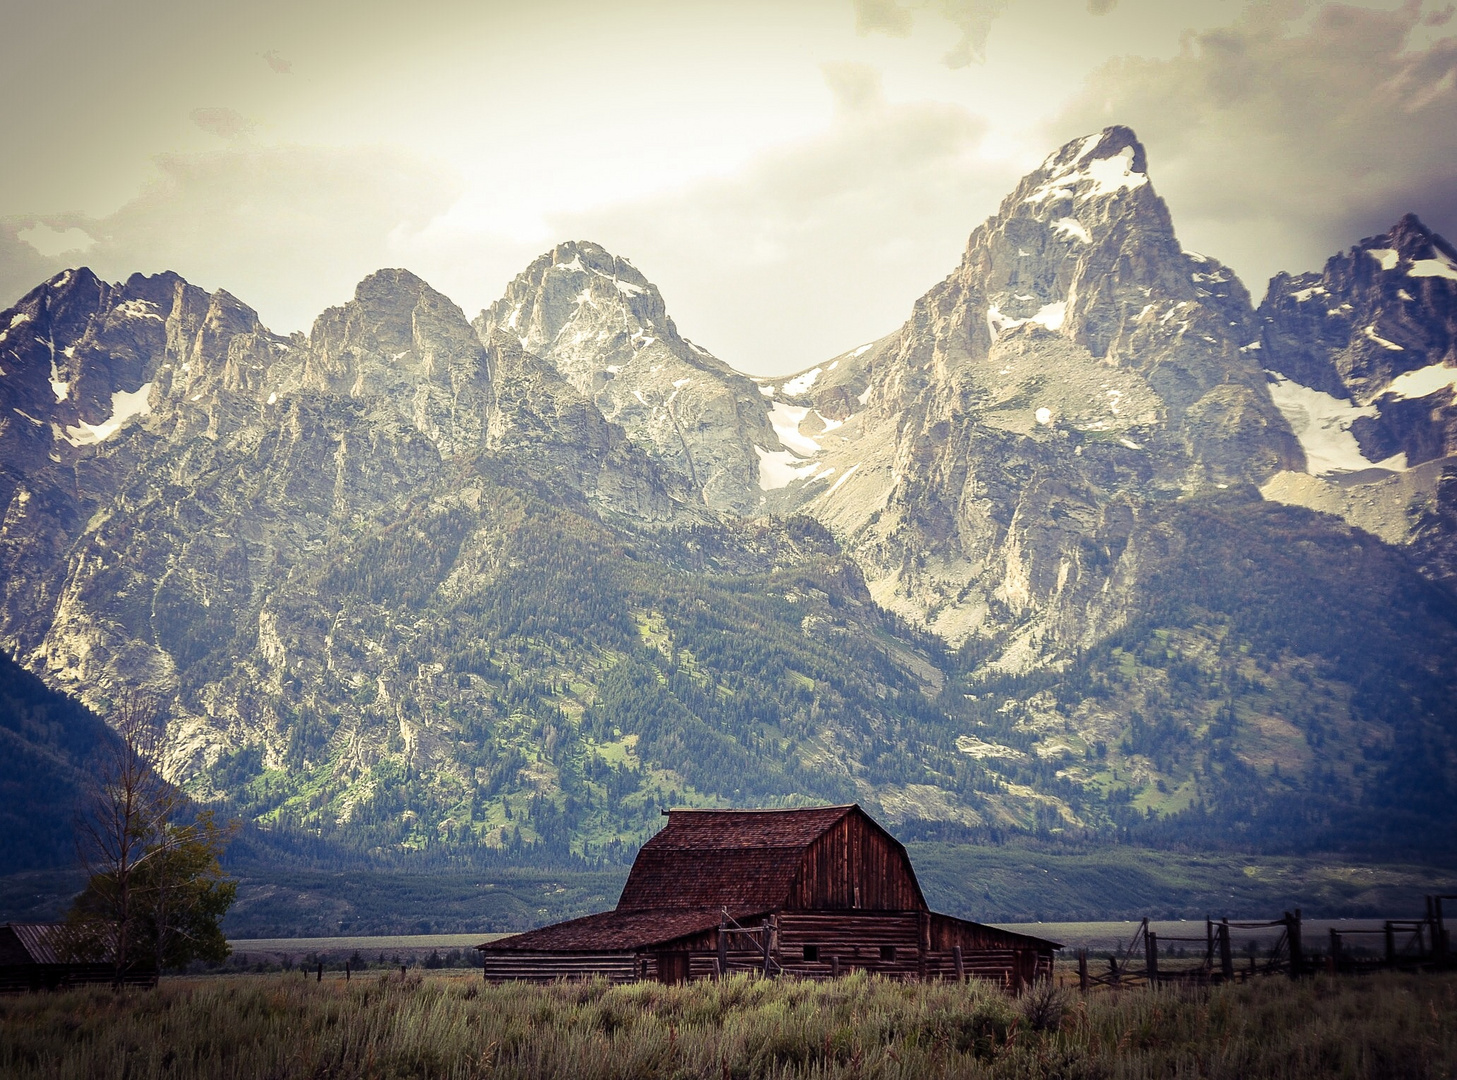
(813, 892)
(32, 958)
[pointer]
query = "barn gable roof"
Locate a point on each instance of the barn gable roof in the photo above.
(31, 943)
(738, 858)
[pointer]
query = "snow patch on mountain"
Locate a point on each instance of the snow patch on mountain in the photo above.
(137, 309)
(800, 384)
(1322, 423)
(780, 468)
(785, 420)
(1439, 267)
(1050, 316)
(1422, 382)
(124, 407)
(1090, 179)
(1372, 335)
(1072, 227)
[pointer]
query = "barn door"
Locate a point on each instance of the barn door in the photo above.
(672, 967)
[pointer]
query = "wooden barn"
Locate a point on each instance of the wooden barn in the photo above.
(31, 958)
(812, 892)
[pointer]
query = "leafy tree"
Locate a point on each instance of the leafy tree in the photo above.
(155, 891)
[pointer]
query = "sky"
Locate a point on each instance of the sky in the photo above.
(791, 174)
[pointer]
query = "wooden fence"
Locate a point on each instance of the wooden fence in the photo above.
(1148, 959)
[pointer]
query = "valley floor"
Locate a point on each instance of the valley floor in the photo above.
(453, 1026)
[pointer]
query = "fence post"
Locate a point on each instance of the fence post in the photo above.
(1083, 970)
(835, 966)
(1151, 956)
(1226, 959)
(723, 945)
(1440, 945)
(1335, 959)
(1390, 943)
(960, 963)
(1292, 934)
(766, 948)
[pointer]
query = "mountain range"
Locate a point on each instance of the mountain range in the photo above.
(1090, 548)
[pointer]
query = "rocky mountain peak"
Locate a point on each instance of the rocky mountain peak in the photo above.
(1413, 242)
(1363, 361)
(604, 327)
(584, 309)
(1076, 362)
(410, 350)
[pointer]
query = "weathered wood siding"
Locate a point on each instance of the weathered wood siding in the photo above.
(548, 967)
(855, 864)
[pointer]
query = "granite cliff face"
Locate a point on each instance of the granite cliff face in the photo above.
(1076, 365)
(412, 581)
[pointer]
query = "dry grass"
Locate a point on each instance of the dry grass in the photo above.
(278, 1026)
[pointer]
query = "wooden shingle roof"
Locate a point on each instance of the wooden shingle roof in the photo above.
(742, 859)
(31, 943)
(614, 931)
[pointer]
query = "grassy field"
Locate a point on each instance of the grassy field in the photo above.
(282, 1026)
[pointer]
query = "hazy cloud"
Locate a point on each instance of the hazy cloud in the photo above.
(974, 18)
(856, 87)
(1276, 146)
(225, 123)
(279, 65)
(828, 240)
(883, 16)
(50, 241)
(288, 230)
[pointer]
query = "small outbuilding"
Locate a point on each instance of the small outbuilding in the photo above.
(813, 892)
(32, 957)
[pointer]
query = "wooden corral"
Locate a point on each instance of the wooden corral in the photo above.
(813, 892)
(32, 958)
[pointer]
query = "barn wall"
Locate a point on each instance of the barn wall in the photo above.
(547, 967)
(855, 854)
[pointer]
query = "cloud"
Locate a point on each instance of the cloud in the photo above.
(883, 16)
(225, 123)
(856, 87)
(50, 241)
(1277, 145)
(973, 18)
(288, 230)
(279, 65)
(825, 241)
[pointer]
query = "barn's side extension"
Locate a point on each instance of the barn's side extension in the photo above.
(31, 958)
(814, 892)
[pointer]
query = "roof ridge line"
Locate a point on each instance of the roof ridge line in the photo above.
(755, 809)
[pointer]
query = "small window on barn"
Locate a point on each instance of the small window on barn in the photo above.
(887, 952)
(811, 952)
